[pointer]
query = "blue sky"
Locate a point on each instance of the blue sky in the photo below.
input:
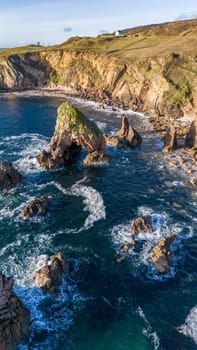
(52, 22)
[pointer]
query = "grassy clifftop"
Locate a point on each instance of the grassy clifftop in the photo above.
(144, 41)
(146, 68)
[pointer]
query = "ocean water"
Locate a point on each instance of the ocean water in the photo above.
(102, 304)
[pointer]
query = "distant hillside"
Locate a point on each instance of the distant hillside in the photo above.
(144, 41)
(167, 28)
(149, 68)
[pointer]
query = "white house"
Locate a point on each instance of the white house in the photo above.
(119, 33)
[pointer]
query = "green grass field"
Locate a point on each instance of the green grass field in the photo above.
(148, 41)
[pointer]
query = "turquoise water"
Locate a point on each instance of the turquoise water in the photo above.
(102, 305)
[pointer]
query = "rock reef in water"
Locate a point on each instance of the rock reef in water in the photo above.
(9, 176)
(36, 207)
(14, 317)
(127, 136)
(162, 255)
(73, 130)
(142, 225)
(49, 276)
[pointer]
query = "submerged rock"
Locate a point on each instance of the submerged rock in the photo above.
(128, 246)
(14, 317)
(49, 277)
(191, 136)
(142, 225)
(9, 176)
(73, 130)
(96, 158)
(162, 255)
(170, 142)
(36, 207)
(113, 141)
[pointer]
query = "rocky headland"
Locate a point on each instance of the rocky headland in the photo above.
(150, 69)
(14, 317)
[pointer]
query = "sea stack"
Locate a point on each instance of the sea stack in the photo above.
(73, 131)
(170, 143)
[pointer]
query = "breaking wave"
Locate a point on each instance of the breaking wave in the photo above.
(24, 149)
(148, 331)
(189, 328)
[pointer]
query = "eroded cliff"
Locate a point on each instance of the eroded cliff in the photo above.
(152, 70)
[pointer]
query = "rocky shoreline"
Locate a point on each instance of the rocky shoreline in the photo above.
(181, 124)
(160, 124)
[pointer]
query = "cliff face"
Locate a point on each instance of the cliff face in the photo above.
(150, 77)
(18, 72)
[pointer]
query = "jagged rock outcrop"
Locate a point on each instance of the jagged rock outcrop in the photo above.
(142, 225)
(162, 255)
(36, 207)
(49, 277)
(9, 176)
(113, 141)
(128, 246)
(14, 317)
(73, 130)
(128, 133)
(23, 71)
(170, 141)
(191, 136)
(96, 157)
(127, 136)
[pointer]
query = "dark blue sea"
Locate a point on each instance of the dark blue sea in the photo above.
(102, 304)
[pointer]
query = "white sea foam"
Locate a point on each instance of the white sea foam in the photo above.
(162, 227)
(148, 331)
(22, 266)
(7, 212)
(122, 233)
(189, 328)
(25, 147)
(101, 125)
(93, 200)
(93, 203)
